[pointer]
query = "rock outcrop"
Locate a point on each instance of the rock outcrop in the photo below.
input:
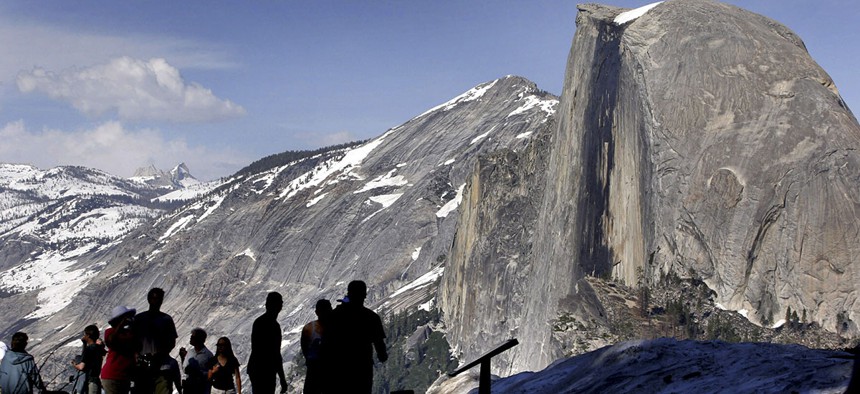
(694, 138)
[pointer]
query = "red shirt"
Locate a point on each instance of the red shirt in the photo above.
(119, 363)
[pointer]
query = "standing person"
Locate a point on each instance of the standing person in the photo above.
(18, 372)
(313, 338)
(266, 361)
(157, 335)
(118, 369)
(356, 331)
(224, 369)
(195, 363)
(91, 361)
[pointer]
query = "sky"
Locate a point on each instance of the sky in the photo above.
(216, 85)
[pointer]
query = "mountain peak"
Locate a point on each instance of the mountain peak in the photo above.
(178, 177)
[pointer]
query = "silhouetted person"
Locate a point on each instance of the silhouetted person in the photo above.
(18, 372)
(118, 370)
(854, 384)
(195, 363)
(312, 342)
(265, 361)
(157, 335)
(91, 361)
(356, 331)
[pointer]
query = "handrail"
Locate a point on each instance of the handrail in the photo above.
(484, 380)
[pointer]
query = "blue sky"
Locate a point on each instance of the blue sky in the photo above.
(120, 85)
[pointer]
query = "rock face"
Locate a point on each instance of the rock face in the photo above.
(384, 211)
(698, 138)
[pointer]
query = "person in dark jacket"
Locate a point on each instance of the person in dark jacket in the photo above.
(18, 371)
(266, 361)
(356, 332)
(91, 360)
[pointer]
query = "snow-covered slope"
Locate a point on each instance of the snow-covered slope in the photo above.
(670, 366)
(384, 211)
(50, 218)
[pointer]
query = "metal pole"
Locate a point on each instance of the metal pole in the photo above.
(484, 382)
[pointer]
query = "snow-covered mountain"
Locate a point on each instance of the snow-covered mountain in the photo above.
(178, 178)
(50, 218)
(384, 210)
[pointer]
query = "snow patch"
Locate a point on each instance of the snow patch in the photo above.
(177, 227)
(470, 95)
(217, 203)
(247, 252)
(482, 136)
(315, 200)
(547, 106)
(524, 135)
(51, 276)
(386, 200)
(628, 16)
(427, 306)
(422, 281)
(416, 253)
(385, 180)
(350, 160)
(452, 205)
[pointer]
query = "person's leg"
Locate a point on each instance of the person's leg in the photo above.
(94, 386)
(262, 383)
(313, 384)
(116, 386)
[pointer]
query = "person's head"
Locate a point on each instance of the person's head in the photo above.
(91, 333)
(155, 298)
(198, 337)
(19, 342)
(323, 309)
(274, 302)
(356, 291)
(120, 313)
(223, 346)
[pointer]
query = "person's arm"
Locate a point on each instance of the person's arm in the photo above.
(177, 380)
(213, 370)
(171, 335)
(379, 340)
(238, 380)
(79, 366)
(283, 377)
(381, 353)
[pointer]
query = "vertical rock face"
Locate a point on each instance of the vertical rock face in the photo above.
(697, 138)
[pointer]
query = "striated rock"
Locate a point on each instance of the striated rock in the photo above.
(693, 137)
(384, 211)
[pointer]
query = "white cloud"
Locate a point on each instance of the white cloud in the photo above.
(112, 148)
(28, 44)
(135, 89)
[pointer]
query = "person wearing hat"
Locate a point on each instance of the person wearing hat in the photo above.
(356, 332)
(118, 369)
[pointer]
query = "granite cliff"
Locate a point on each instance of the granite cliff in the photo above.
(693, 138)
(384, 211)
